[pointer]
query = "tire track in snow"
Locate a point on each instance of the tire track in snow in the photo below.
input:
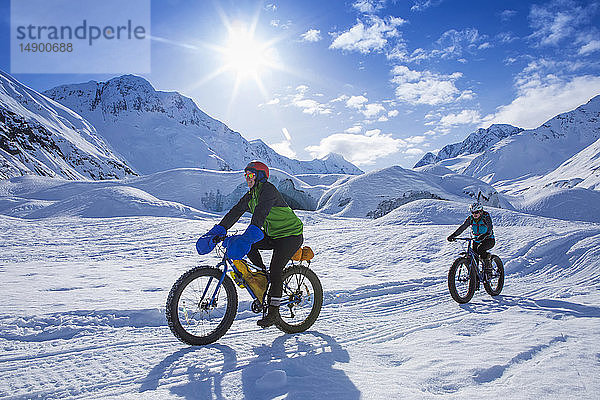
(496, 372)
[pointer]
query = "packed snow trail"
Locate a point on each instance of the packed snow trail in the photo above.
(82, 314)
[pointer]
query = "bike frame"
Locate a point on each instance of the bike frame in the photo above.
(226, 263)
(474, 258)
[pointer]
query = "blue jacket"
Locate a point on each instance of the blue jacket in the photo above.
(482, 228)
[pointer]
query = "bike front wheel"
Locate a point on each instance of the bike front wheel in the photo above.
(199, 311)
(461, 280)
(303, 293)
(495, 284)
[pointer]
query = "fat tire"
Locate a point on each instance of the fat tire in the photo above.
(452, 281)
(173, 301)
(280, 323)
(488, 288)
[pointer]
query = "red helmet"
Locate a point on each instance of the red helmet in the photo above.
(260, 169)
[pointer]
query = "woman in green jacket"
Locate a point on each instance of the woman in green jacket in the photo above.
(274, 226)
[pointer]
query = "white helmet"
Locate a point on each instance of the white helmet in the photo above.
(475, 207)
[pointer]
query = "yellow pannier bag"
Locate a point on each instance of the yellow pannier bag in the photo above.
(256, 280)
(303, 254)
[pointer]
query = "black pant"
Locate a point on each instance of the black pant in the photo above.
(483, 247)
(283, 249)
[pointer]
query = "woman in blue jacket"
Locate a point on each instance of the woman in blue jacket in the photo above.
(483, 231)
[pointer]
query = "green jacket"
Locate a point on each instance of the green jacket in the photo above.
(269, 211)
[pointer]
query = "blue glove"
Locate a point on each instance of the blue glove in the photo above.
(205, 244)
(239, 245)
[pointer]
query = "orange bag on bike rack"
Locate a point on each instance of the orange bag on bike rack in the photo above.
(303, 254)
(256, 280)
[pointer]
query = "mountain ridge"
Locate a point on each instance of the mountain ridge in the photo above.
(171, 130)
(40, 136)
(476, 142)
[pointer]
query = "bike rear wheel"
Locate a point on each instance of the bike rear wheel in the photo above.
(192, 315)
(303, 290)
(461, 280)
(495, 284)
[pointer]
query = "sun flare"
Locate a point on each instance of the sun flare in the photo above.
(245, 55)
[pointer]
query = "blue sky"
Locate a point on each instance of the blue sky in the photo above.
(381, 82)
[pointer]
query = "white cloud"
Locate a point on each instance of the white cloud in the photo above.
(426, 87)
(542, 99)
(462, 118)
(273, 102)
(342, 97)
(271, 7)
(415, 140)
(422, 5)
(507, 14)
(369, 110)
(372, 110)
(559, 20)
(432, 115)
(354, 129)
(373, 132)
(278, 24)
(284, 148)
(309, 106)
(369, 6)
(383, 118)
(367, 37)
(358, 149)
(454, 43)
(414, 152)
(590, 47)
(312, 35)
(506, 37)
(356, 102)
(393, 113)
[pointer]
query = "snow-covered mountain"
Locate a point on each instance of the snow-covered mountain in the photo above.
(39, 136)
(194, 192)
(374, 194)
(553, 170)
(537, 152)
(156, 131)
(183, 192)
(330, 164)
(476, 142)
(582, 170)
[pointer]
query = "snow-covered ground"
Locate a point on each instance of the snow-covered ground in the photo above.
(82, 312)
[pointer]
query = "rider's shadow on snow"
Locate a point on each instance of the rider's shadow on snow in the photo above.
(299, 366)
(201, 368)
(559, 308)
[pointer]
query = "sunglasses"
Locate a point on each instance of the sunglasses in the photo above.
(249, 175)
(476, 212)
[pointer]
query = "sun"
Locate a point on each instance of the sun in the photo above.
(245, 55)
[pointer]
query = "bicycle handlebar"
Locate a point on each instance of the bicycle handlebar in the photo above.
(218, 239)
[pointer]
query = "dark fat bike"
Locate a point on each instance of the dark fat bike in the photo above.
(203, 302)
(466, 273)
